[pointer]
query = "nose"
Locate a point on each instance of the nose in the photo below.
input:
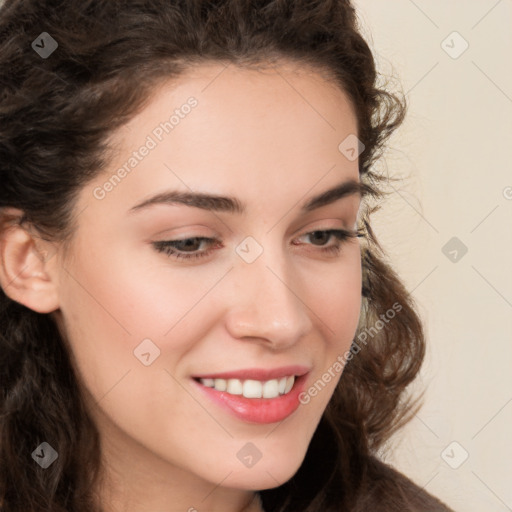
(267, 303)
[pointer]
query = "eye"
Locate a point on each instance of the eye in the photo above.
(184, 248)
(188, 248)
(341, 236)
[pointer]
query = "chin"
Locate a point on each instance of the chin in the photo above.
(273, 472)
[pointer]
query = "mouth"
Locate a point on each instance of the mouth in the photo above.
(270, 398)
(251, 388)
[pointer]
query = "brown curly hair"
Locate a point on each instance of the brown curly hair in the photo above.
(55, 117)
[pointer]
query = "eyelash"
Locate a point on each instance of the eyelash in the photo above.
(167, 246)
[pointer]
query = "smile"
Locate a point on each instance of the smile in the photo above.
(252, 388)
(251, 400)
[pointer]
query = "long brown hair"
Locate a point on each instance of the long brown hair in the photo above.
(56, 114)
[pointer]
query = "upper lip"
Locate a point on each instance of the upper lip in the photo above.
(262, 374)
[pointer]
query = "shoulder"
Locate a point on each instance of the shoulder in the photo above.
(385, 489)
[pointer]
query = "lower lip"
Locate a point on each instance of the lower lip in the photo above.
(258, 410)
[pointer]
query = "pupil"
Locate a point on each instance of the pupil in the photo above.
(319, 235)
(191, 243)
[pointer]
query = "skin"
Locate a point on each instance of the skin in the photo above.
(269, 138)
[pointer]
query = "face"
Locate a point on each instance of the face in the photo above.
(254, 293)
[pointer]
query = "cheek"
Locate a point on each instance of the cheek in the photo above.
(336, 302)
(335, 298)
(109, 306)
(114, 314)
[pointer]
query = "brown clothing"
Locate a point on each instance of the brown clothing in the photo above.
(389, 490)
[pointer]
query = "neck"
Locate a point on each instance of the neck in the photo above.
(254, 504)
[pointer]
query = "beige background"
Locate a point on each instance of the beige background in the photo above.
(454, 152)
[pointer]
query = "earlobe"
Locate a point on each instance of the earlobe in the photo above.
(25, 274)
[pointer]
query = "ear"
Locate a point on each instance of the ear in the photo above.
(26, 264)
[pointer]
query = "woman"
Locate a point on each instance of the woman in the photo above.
(195, 313)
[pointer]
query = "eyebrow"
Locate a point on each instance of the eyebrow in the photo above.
(233, 205)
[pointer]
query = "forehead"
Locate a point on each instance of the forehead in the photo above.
(233, 103)
(267, 132)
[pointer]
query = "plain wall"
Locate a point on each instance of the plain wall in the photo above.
(454, 154)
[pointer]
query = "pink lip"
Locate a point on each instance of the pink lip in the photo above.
(261, 374)
(257, 410)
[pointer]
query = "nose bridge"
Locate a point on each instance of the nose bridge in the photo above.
(266, 303)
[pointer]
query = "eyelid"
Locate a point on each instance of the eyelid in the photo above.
(341, 235)
(170, 236)
(175, 232)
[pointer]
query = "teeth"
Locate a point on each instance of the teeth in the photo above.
(270, 389)
(289, 384)
(252, 388)
(234, 387)
(219, 384)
